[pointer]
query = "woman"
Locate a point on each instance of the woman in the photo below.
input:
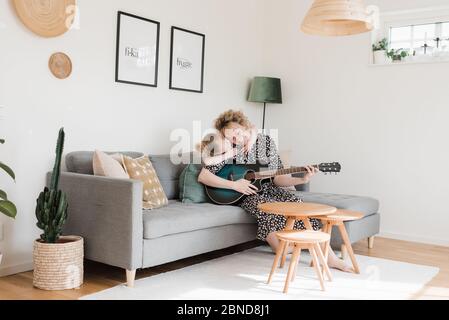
(261, 150)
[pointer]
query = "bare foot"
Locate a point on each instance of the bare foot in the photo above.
(336, 263)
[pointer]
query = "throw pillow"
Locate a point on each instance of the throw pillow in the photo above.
(190, 190)
(109, 166)
(141, 169)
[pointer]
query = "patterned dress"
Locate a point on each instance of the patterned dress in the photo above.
(264, 154)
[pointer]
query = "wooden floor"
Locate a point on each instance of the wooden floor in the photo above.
(99, 277)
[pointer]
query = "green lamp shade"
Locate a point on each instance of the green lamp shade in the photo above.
(266, 90)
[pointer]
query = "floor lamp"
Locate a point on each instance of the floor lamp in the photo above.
(265, 90)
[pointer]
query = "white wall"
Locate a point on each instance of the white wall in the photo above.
(96, 111)
(386, 125)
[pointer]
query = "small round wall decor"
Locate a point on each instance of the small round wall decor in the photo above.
(60, 65)
(47, 18)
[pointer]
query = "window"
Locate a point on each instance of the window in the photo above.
(445, 30)
(421, 38)
(423, 33)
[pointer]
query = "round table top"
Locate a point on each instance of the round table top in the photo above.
(297, 209)
(343, 215)
(307, 236)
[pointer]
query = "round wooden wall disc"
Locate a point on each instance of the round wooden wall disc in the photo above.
(47, 18)
(60, 65)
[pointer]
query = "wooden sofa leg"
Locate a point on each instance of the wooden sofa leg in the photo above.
(344, 252)
(371, 242)
(130, 277)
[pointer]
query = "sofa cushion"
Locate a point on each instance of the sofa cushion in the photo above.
(365, 205)
(109, 165)
(190, 190)
(142, 169)
(82, 161)
(169, 173)
(180, 217)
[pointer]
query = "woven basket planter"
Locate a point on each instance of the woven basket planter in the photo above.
(59, 266)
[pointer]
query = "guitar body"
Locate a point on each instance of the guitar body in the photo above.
(232, 172)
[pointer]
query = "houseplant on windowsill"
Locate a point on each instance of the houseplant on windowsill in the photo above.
(6, 207)
(380, 52)
(58, 260)
(397, 55)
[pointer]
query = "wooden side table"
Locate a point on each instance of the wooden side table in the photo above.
(294, 211)
(338, 219)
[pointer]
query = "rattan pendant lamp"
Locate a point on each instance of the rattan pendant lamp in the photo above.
(337, 18)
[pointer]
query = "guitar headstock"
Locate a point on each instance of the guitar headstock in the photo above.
(333, 167)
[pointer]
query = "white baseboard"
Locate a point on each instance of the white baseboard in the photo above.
(413, 238)
(10, 270)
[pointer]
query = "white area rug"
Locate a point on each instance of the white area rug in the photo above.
(243, 276)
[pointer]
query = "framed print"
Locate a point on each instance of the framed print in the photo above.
(187, 60)
(137, 58)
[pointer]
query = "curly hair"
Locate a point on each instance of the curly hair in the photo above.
(231, 116)
(206, 141)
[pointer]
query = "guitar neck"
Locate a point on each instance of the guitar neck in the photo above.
(281, 172)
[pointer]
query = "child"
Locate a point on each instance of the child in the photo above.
(215, 149)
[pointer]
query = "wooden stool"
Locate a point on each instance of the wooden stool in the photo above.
(309, 240)
(294, 211)
(338, 219)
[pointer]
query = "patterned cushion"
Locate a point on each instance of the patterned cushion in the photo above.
(142, 169)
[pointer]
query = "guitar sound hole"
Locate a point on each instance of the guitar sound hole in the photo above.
(251, 176)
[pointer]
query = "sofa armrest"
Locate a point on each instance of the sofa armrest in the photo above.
(107, 213)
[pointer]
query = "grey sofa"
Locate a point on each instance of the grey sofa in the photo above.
(108, 214)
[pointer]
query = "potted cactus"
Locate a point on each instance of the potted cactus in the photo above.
(6, 207)
(58, 260)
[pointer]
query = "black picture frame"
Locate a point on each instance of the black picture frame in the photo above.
(203, 51)
(117, 59)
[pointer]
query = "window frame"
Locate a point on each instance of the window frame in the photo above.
(438, 33)
(414, 17)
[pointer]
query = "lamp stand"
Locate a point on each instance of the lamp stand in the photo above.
(264, 113)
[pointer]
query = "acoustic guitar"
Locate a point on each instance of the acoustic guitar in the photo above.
(234, 172)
